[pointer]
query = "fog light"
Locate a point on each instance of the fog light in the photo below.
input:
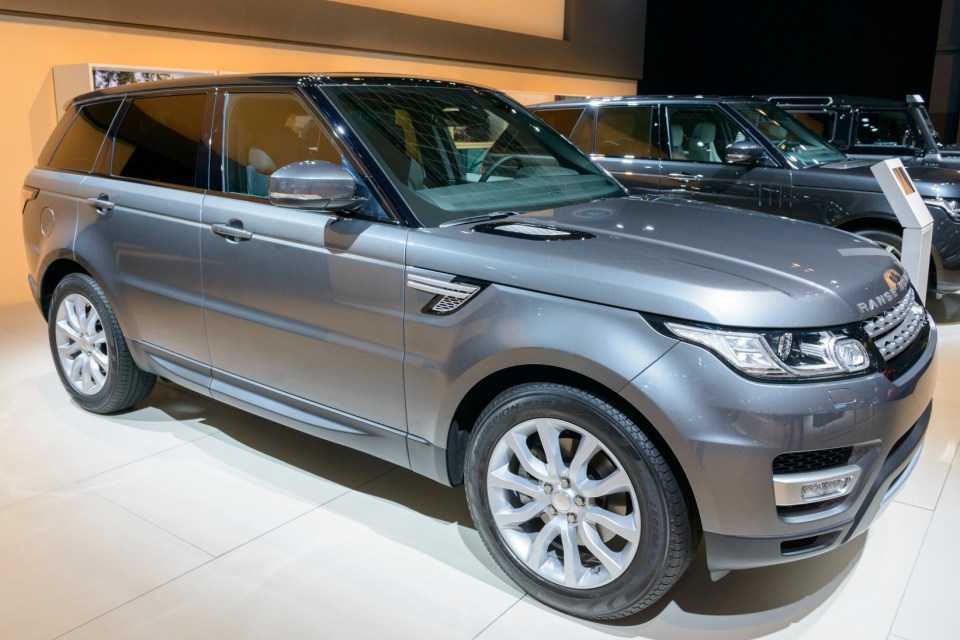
(820, 490)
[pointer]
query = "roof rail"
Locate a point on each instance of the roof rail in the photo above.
(804, 100)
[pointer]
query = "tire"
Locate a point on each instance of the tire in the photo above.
(891, 242)
(90, 352)
(609, 495)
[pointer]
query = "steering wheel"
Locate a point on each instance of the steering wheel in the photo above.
(496, 165)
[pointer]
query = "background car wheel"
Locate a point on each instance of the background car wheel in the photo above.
(575, 503)
(89, 350)
(889, 241)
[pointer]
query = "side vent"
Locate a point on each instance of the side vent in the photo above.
(448, 296)
(528, 231)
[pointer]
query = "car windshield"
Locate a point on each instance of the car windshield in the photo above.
(802, 147)
(457, 152)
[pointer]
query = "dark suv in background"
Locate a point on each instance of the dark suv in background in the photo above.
(873, 128)
(751, 154)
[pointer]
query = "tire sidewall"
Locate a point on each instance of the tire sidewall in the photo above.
(85, 285)
(645, 570)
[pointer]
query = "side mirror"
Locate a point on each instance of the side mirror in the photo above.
(745, 152)
(315, 185)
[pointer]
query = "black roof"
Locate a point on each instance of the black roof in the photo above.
(618, 100)
(273, 79)
(834, 101)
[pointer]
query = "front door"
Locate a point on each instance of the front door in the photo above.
(697, 167)
(303, 308)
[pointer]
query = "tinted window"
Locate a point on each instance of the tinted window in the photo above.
(563, 120)
(701, 133)
(159, 139)
(626, 131)
(820, 122)
(81, 144)
(893, 128)
(266, 131)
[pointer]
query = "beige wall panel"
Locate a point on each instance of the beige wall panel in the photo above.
(29, 109)
(542, 18)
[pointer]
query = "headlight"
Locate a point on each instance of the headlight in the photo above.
(781, 355)
(952, 207)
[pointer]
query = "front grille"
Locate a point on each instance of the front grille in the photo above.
(803, 461)
(896, 330)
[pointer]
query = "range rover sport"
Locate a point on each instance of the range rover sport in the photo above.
(424, 271)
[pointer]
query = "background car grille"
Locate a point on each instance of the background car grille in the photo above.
(802, 461)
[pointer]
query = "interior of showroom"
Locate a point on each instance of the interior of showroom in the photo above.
(114, 526)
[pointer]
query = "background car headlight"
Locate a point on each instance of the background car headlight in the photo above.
(952, 207)
(781, 355)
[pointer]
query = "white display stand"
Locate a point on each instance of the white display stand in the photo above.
(913, 215)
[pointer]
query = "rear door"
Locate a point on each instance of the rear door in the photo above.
(138, 228)
(628, 145)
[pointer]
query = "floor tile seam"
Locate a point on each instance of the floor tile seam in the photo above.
(913, 568)
(351, 490)
(502, 613)
(137, 597)
(45, 342)
(954, 462)
(150, 522)
(31, 413)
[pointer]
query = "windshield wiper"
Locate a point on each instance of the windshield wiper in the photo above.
(483, 217)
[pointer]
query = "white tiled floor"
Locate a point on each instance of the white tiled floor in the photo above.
(188, 519)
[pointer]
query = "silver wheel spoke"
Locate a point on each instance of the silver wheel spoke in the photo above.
(69, 349)
(616, 482)
(72, 317)
(509, 517)
(530, 463)
(609, 559)
(502, 478)
(550, 440)
(68, 330)
(572, 567)
(541, 545)
(624, 526)
(100, 358)
(589, 446)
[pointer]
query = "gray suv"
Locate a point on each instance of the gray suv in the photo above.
(424, 271)
(745, 152)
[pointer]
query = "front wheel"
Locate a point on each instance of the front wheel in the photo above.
(890, 242)
(89, 350)
(575, 503)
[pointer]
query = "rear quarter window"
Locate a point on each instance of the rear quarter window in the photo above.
(81, 144)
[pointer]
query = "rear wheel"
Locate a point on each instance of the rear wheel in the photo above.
(575, 503)
(89, 350)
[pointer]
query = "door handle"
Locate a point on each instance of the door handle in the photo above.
(101, 203)
(233, 231)
(684, 178)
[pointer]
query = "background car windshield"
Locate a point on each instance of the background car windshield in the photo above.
(802, 147)
(456, 152)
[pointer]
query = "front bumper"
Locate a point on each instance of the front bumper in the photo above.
(726, 431)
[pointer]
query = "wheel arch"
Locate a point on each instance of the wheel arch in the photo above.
(52, 275)
(485, 390)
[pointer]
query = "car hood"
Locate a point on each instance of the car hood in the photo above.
(930, 181)
(675, 258)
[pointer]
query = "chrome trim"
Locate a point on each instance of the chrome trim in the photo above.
(896, 341)
(877, 325)
(441, 288)
(786, 487)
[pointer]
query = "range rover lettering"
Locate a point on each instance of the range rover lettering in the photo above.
(422, 270)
